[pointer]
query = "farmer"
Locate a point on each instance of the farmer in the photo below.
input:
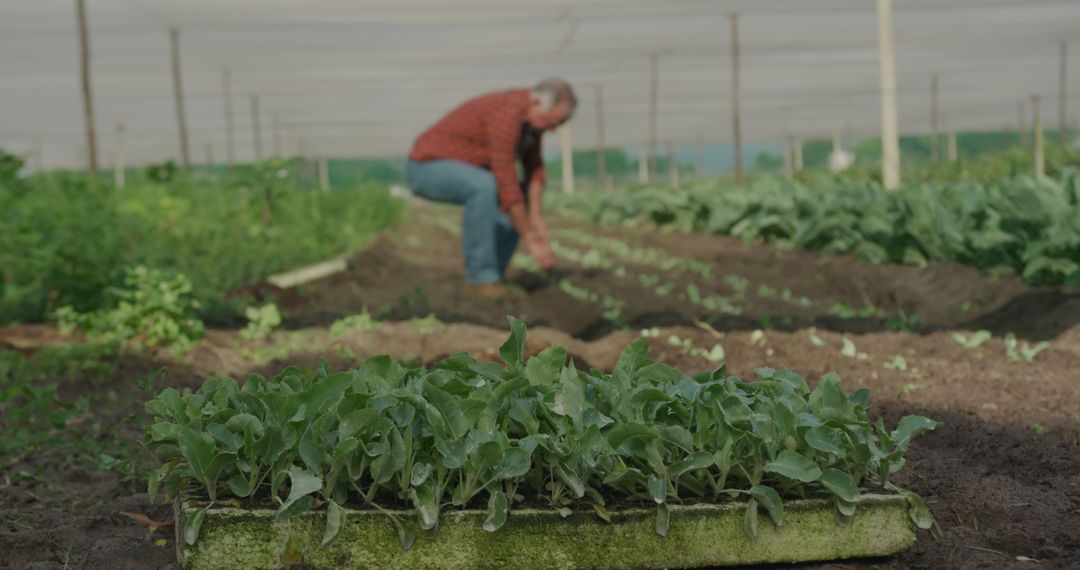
(470, 157)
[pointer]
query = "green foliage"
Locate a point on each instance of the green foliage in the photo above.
(359, 322)
(536, 432)
(153, 308)
(163, 172)
(1015, 351)
(69, 237)
(10, 165)
(1029, 226)
(39, 428)
(261, 321)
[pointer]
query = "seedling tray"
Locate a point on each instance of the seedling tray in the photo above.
(700, 535)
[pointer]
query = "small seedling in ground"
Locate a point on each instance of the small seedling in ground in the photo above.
(261, 321)
(898, 363)
(650, 333)
(359, 322)
(903, 322)
(850, 351)
(814, 338)
(428, 325)
(738, 285)
(909, 388)
(1015, 352)
(974, 340)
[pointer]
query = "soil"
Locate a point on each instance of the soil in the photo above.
(1002, 475)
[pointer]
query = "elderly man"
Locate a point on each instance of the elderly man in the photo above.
(470, 157)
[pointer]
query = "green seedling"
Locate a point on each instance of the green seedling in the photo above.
(533, 432)
(154, 308)
(359, 322)
(849, 350)
(974, 340)
(428, 325)
(898, 364)
(738, 285)
(1016, 352)
(261, 321)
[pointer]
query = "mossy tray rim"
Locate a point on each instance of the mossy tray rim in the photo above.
(893, 533)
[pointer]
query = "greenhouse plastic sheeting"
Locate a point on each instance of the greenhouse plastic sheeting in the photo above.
(362, 78)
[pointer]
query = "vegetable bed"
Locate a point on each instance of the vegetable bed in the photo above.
(488, 455)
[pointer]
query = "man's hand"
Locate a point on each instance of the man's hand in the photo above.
(540, 250)
(536, 243)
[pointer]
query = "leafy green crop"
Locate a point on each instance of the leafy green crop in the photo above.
(1026, 225)
(152, 308)
(261, 321)
(534, 432)
(66, 238)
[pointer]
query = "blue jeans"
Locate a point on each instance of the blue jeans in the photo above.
(487, 236)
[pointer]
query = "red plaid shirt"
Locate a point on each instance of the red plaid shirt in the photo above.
(486, 131)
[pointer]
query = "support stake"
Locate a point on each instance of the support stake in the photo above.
(736, 122)
(87, 91)
(890, 140)
(178, 97)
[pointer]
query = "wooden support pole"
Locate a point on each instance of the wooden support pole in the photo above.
(890, 138)
(643, 167)
(601, 149)
(324, 173)
(797, 161)
(736, 119)
(1063, 94)
(178, 97)
(1021, 116)
(1039, 158)
(230, 139)
(701, 156)
(789, 158)
(277, 134)
(256, 127)
(672, 166)
(934, 118)
(566, 151)
(87, 91)
(653, 112)
(118, 157)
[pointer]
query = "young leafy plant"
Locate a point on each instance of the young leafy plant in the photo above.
(534, 432)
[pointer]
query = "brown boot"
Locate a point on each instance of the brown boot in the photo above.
(495, 291)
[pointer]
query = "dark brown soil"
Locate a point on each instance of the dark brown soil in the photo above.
(1002, 475)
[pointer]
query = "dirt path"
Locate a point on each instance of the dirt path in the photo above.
(1002, 475)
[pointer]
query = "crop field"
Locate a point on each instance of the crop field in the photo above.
(982, 362)
(510, 285)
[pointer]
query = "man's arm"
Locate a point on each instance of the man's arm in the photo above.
(504, 128)
(536, 178)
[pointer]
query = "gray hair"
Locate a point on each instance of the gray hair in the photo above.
(552, 91)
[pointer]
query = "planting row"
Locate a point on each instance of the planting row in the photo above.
(1024, 225)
